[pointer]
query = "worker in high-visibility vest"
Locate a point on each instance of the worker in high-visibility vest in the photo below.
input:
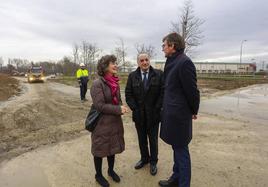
(82, 77)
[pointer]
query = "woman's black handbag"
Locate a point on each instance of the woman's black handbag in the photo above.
(92, 119)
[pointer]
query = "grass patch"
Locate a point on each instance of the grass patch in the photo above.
(72, 80)
(220, 82)
(229, 83)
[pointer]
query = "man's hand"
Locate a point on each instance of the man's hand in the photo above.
(194, 117)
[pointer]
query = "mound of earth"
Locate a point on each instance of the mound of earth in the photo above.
(8, 87)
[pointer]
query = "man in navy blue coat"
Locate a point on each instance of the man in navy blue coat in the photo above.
(180, 106)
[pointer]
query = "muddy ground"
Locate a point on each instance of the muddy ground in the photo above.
(228, 83)
(226, 150)
(44, 113)
(8, 87)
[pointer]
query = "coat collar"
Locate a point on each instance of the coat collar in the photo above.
(151, 72)
(175, 55)
(103, 79)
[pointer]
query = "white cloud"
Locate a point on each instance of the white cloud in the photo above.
(46, 29)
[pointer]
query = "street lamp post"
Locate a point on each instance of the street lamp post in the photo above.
(263, 62)
(253, 62)
(241, 49)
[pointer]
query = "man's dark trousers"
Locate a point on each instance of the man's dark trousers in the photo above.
(83, 90)
(182, 165)
(152, 132)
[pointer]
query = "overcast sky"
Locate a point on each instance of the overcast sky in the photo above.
(46, 29)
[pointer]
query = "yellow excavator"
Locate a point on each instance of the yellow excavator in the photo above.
(36, 74)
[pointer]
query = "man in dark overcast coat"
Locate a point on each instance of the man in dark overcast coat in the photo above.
(144, 92)
(180, 106)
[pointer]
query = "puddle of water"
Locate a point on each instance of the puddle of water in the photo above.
(250, 104)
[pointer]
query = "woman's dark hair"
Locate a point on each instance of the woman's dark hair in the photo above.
(103, 64)
(176, 39)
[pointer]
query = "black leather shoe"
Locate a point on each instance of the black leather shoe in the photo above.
(140, 164)
(102, 181)
(169, 183)
(153, 169)
(114, 176)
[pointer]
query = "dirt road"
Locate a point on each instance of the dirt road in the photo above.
(225, 151)
(44, 113)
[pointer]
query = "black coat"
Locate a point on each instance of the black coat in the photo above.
(181, 100)
(145, 103)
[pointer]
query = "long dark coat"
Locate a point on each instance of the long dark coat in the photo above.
(181, 100)
(108, 136)
(145, 102)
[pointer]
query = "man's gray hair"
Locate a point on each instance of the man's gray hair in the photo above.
(141, 55)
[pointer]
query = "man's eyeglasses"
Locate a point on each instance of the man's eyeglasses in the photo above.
(142, 60)
(164, 45)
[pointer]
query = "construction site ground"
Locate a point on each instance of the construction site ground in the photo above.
(43, 141)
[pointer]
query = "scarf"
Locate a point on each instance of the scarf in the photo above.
(112, 82)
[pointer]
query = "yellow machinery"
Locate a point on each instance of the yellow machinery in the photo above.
(36, 74)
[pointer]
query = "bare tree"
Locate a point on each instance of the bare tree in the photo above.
(50, 66)
(1, 64)
(93, 54)
(85, 52)
(10, 67)
(188, 26)
(24, 65)
(76, 53)
(129, 66)
(67, 66)
(120, 52)
(16, 62)
(142, 48)
(89, 53)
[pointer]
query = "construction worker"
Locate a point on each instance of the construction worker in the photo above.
(82, 77)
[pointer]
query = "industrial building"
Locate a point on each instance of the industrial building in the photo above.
(218, 67)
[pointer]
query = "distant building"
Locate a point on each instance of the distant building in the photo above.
(218, 67)
(159, 65)
(225, 67)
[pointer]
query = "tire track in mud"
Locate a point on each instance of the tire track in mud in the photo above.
(40, 116)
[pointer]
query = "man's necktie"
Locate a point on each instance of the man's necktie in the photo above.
(145, 80)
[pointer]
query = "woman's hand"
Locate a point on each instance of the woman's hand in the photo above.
(124, 109)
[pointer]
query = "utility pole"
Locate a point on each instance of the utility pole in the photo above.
(241, 49)
(263, 62)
